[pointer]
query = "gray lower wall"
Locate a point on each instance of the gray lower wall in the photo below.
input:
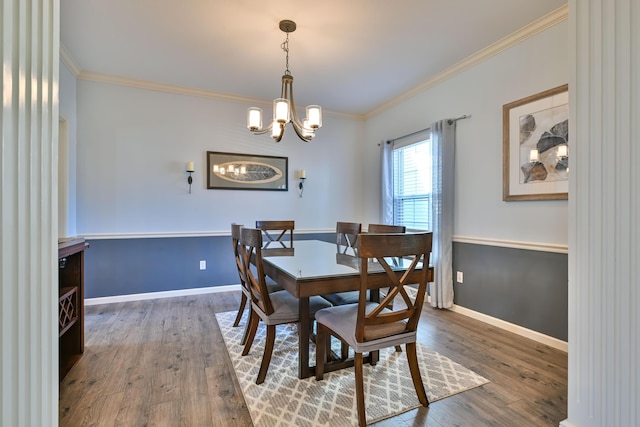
(133, 266)
(527, 288)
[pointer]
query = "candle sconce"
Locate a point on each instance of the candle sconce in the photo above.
(302, 177)
(190, 170)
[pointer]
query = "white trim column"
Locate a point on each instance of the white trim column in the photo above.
(28, 213)
(604, 214)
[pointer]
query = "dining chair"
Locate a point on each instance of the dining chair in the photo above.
(351, 297)
(272, 286)
(347, 235)
(274, 308)
(235, 242)
(276, 232)
(386, 228)
(370, 326)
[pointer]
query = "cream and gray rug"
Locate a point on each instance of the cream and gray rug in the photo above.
(285, 400)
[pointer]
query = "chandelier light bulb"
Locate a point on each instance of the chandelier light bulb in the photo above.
(281, 110)
(254, 118)
(314, 116)
(275, 130)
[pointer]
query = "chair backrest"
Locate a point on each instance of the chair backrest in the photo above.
(275, 233)
(251, 245)
(347, 235)
(386, 228)
(235, 242)
(415, 249)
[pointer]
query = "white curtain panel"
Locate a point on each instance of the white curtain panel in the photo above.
(443, 145)
(386, 198)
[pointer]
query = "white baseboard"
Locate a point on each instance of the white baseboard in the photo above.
(511, 327)
(164, 294)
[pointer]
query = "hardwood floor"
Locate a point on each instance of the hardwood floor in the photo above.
(164, 363)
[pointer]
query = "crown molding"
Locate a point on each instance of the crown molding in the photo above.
(188, 91)
(68, 61)
(529, 30)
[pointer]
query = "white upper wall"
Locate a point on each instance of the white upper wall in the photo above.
(133, 146)
(534, 65)
(67, 154)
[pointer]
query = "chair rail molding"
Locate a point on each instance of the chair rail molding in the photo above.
(515, 244)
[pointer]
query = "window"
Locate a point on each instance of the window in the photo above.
(412, 167)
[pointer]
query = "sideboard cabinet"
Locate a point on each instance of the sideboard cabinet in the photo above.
(70, 302)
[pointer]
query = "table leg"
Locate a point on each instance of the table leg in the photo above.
(304, 324)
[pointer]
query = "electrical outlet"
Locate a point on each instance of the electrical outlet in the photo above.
(203, 265)
(459, 276)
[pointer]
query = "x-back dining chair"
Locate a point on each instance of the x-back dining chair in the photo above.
(274, 308)
(371, 326)
(351, 297)
(275, 233)
(347, 235)
(346, 239)
(235, 242)
(246, 293)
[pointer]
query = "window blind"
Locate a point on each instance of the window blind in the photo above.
(412, 166)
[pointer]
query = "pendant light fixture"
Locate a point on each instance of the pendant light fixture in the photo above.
(284, 109)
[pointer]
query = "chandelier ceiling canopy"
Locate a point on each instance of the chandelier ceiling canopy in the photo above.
(284, 109)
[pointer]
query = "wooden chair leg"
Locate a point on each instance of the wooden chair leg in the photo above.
(247, 326)
(268, 351)
(344, 350)
(243, 302)
(253, 327)
(327, 346)
(412, 357)
(362, 416)
(321, 348)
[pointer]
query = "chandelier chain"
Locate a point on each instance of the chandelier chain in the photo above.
(285, 47)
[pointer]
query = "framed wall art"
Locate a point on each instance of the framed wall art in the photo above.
(536, 146)
(234, 171)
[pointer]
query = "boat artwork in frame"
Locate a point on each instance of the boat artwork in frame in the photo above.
(235, 171)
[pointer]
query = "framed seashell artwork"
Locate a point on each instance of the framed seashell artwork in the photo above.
(235, 171)
(536, 146)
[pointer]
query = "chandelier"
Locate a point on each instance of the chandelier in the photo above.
(284, 109)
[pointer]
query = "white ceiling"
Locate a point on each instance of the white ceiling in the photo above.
(349, 56)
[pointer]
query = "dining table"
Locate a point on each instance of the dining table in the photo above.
(315, 267)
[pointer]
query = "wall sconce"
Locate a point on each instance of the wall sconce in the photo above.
(301, 178)
(190, 170)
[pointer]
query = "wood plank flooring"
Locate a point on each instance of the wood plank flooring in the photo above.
(163, 362)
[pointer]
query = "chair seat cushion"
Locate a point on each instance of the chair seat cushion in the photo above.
(342, 321)
(343, 298)
(285, 308)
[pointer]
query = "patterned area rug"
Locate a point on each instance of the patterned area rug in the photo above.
(285, 400)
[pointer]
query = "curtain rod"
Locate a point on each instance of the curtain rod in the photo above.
(450, 121)
(407, 135)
